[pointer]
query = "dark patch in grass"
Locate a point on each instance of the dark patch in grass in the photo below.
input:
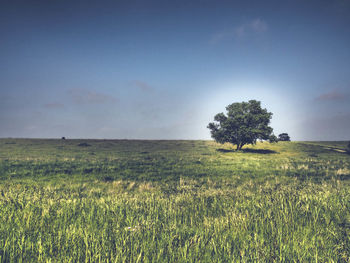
(144, 152)
(83, 144)
(88, 170)
(68, 171)
(10, 143)
(107, 179)
(225, 150)
(260, 151)
(344, 177)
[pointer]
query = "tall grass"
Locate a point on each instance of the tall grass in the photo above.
(173, 202)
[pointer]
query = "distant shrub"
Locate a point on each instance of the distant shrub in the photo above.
(284, 137)
(348, 149)
(63, 138)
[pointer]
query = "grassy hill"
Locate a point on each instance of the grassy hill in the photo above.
(173, 201)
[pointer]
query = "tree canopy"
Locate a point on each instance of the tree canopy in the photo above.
(284, 137)
(244, 123)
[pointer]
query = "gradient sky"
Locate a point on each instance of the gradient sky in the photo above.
(163, 69)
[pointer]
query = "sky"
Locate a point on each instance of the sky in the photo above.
(163, 69)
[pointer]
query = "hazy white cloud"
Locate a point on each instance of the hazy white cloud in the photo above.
(255, 26)
(143, 86)
(82, 96)
(258, 25)
(53, 105)
(332, 96)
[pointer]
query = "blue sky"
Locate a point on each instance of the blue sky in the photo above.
(163, 69)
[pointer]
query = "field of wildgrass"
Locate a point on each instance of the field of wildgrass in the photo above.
(173, 201)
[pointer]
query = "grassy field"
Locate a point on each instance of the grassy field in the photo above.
(173, 201)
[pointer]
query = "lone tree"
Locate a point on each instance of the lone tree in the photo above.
(284, 137)
(245, 123)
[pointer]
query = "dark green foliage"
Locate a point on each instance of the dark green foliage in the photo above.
(348, 149)
(273, 139)
(284, 137)
(245, 123)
